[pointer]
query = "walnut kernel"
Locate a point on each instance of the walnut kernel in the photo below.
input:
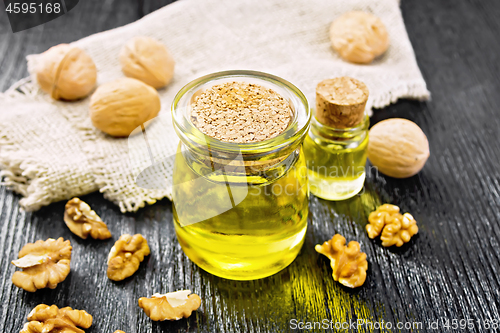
(348, 263)
(399, 231)
(126, 255)
(379, 218)
(47, 319)
(170, 306)
(396, 228)
(83, 221)
(44, 264)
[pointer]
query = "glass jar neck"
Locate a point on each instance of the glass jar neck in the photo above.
(256, 162)
(239, 168)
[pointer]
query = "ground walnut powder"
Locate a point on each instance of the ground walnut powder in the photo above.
(240, 112)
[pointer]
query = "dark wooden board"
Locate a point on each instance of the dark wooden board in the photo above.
(449, 271)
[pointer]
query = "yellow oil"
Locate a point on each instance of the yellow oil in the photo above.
(238, 230)
(336, 161)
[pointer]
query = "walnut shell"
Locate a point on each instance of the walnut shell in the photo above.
(66, 72)
(148, 60)
(398, 147)
(118, 107)
(359, 37)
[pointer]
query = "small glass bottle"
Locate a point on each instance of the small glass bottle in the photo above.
(335, 147)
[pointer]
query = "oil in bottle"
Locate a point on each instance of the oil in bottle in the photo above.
(335, 147)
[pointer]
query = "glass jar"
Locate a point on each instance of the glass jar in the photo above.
(240, 209)
(336, 159)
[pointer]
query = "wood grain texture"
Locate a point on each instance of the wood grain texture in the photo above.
(449, 271)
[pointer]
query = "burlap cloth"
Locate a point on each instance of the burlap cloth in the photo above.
(49, 150)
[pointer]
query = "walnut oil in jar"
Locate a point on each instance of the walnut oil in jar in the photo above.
(240, 194)
(336, 145)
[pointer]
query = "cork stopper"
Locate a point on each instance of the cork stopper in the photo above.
(340, 102)
(240, 112)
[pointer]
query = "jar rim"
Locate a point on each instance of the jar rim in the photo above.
(191, 135)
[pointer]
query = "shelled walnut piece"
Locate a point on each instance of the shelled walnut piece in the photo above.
(44, 264)
(51, 319)
(83, 221)
(348, 263)
(340, 102)
(170, 306)
(379, 218)
(126, 256)
(397, 229)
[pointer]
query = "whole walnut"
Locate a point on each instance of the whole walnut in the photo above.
(120, 106)
(148, 60)
(398, 147)
(359, 37)
(66, 72)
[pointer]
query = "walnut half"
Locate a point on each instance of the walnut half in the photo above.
(396, 228)
(379, 218)
(51, 319)
(44, 264)
(126, 256)
(83, 221)
(348, 263)
(399, 231)
(170, 306)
